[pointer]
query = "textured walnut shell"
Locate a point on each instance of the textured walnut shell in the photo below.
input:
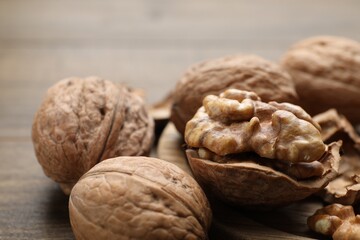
(138, 198)
(326, 72)
(84, 121)
(345, 188)
(246, 183)
(244, 72)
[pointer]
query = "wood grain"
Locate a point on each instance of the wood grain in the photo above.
(145, 43)
(31, 206)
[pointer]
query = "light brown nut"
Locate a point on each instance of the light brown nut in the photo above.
(345, 188)
(337, 221)
(326, 72)
(251, 153)
(138, 198)
(82, 121)
(277, 131)
(244, 72)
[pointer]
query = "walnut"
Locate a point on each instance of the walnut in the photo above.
(138, 198)
(337, 221)
(345, 188)
(244, 72)
(84, 121)
(239, 123)
(326, 72)
(248, 152)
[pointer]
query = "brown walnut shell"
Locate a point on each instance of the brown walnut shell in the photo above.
(247, 183)
(138, 198)
(244, 72)
(326, 72)
(345, 188)
(83, 121)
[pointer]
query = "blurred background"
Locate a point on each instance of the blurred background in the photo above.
(149, 43)
(146, 44)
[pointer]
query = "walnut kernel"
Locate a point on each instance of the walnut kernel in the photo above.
(251, 153)
(337, 221)
(242, 124)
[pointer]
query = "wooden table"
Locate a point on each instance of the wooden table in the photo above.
(145, 44)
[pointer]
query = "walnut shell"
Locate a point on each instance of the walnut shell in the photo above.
(251, 153)
(247, 183)
(244, 72)
(326, 72)
(345, 188)
(138, 198)
(84, 121)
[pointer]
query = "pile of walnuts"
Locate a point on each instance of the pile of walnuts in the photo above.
(252, 140)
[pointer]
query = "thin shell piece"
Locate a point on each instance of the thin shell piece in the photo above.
(345, 188)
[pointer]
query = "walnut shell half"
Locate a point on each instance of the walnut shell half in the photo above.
(244, 72)
(251, 153)
(138, 198)
(83, 121)
(247, 183)
(326, 72)
(345, 188)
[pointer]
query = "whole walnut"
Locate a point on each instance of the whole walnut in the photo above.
(326, 72)
(244, 72)
(138, 198)
(256, 154)
(83, 121)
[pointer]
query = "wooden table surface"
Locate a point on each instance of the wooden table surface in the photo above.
(143, 43)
